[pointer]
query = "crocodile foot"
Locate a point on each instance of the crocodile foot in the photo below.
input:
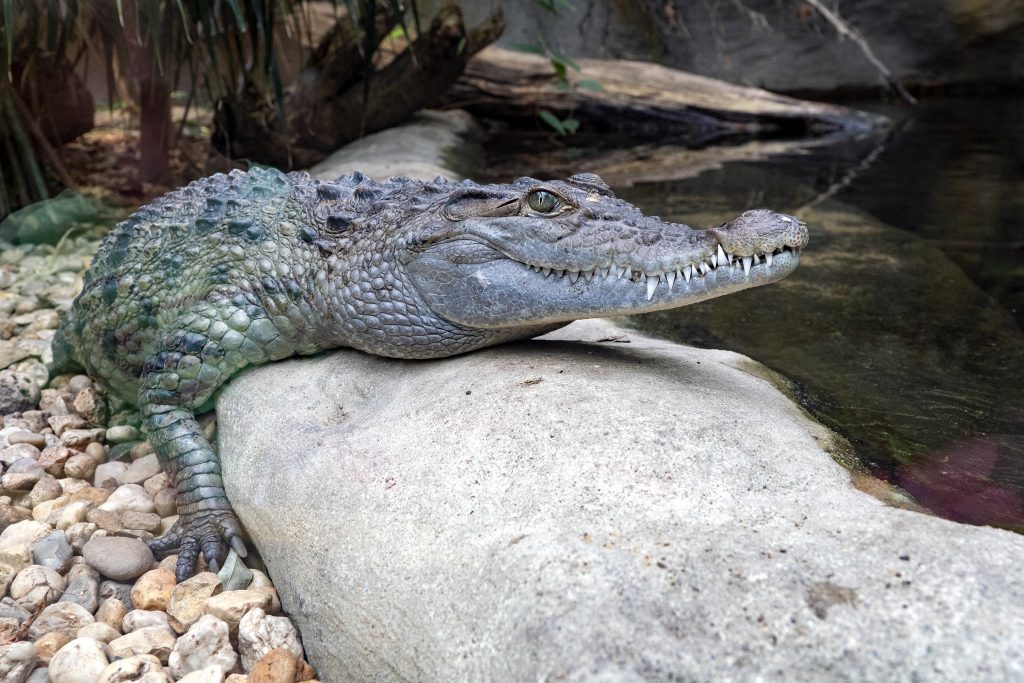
(200, 532)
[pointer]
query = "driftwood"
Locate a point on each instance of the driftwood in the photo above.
(328, 107)
(643, 98)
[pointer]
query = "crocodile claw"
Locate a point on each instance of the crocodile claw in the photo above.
(201, 532)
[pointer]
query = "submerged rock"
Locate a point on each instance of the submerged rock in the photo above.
(621, 509)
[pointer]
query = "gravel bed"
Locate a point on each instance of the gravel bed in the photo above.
(80, 491)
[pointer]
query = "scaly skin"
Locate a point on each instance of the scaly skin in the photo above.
(239, 270)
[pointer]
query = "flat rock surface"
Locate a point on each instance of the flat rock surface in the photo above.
(615, 508)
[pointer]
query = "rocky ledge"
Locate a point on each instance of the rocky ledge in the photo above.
(595, 505)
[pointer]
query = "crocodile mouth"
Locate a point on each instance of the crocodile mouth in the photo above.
(771, 264)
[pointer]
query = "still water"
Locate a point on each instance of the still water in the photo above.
(902, 327)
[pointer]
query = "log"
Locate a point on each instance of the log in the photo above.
(644, 99)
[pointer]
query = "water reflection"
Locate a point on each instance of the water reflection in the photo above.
(900, 338)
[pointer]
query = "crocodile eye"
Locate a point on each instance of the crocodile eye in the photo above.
(542, 201)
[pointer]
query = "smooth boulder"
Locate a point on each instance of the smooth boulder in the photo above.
(595, 505)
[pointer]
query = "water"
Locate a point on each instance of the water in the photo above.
(901, 329)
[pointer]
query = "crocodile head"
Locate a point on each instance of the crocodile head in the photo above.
(536, 253)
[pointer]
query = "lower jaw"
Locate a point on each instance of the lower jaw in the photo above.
(527, 297)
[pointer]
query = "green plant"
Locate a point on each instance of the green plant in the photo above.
(562, 64)
(216, 51)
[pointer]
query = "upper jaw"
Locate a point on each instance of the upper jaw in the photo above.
(751, 242)
(763, 266)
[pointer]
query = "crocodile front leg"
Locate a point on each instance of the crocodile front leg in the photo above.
(204, 513)
(209, 345)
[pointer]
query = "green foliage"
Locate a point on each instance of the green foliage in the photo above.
(214, 51)
(562, 64)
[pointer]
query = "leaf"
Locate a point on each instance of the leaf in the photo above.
(563, 86)
(571, 125)
(552, 121)
(590, 84)
(563, 59)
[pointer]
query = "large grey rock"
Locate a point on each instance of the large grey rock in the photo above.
(423, 148)
(782, 45)
(595, 511)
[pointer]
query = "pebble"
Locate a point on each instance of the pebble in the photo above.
(105, 519)
(24, 533)
(36, 586)
(17, 391)
(62, 423)
(259, 633)
(80, 661)
(142, 469)
(52, 459)
(90, 405)
(10, 514)
(37, 440)
(129, 497)
(164, 502)
(97, 452)
(80, 466)
(53, 551)
(99, 631)
(40, 675)
(79, 382)
(116, 589)
(73, 515)
(188, 599)
(151, 640)
(280, 666)
(157, 483)
(83, 587)
(121, 559)
(45, 489)
(19, 481)
(130, 669)
(48, 645)
(111, 612)
(17, 661)
(9, 609)
(122, 434)
(66, 617)
(144, 521)
(79, 439)
(142, 618)
(110, 474)
(13, 454)
(231, 606)
(210, 674)
(206, 642)
(152, 590)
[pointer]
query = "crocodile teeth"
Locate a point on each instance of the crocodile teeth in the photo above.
(546, 271)
(714, 260)
(757, 260)
(768, 259)
(574, 275)
(671, 277)
(652, 284)
(688, 272)
(626, 272)
(747, 260)
(589, 274)
(723, 258)
(703, 267)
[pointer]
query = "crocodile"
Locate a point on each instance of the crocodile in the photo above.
(242, 269)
